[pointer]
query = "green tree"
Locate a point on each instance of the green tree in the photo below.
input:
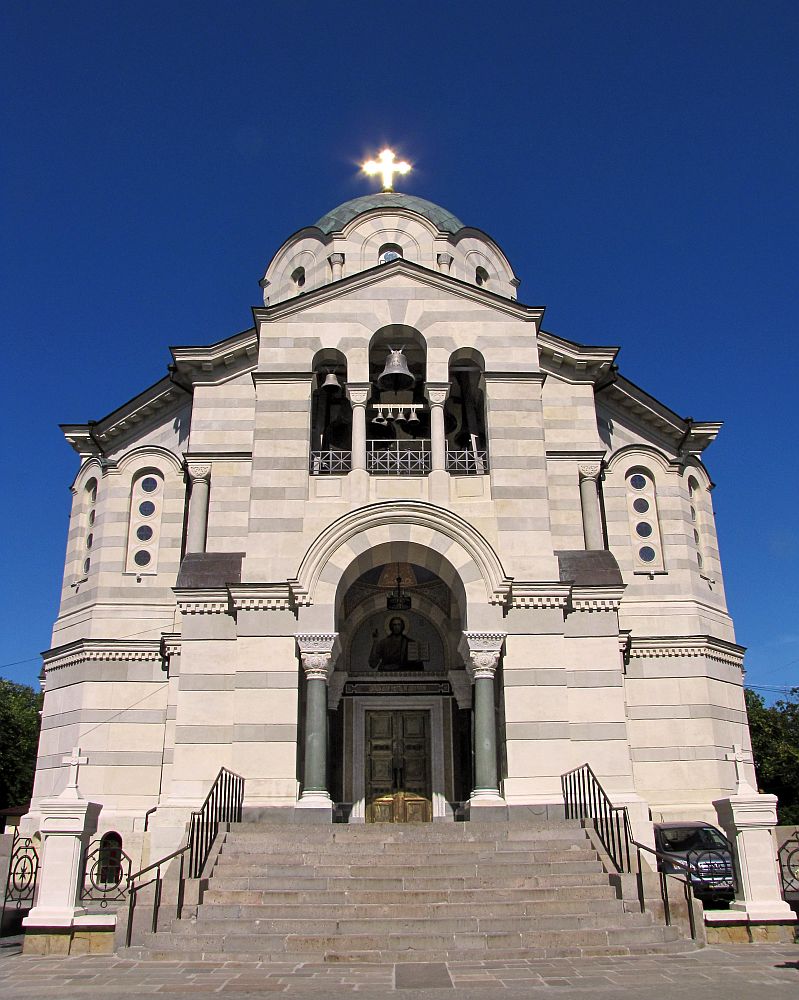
(775, 748)
(19, 737)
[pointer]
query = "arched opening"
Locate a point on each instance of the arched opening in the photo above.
(464, 415)
(398, 417)
(400, 717)
(331, 416)
(389, 252)
(109, 862)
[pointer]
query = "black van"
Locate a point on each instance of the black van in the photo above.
(706, 851)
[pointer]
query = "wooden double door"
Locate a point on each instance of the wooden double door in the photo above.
(398, 787)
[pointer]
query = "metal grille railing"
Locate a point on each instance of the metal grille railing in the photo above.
(788, 857)
(398, 458)
(331, 463)
(106, 871)
(463, 462)
(23, 870)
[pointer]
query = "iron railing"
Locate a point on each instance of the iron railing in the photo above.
(223, 805)
(585, 799)
(463, 462)
(788, 859)
(106, 873)
(23, 870)
(398, 458)
(331, 463)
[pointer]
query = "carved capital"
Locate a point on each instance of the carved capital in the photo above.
(437, 392)
(359, 393)
(198, 471)
(481, 651)
(318, 653)
(444, 261)
(589, 470)
(336, 258)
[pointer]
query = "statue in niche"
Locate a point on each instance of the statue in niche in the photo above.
(391, 652)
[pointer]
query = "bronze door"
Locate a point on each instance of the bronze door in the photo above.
(398, 767)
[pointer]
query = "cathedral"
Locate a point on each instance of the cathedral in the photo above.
(395, 553)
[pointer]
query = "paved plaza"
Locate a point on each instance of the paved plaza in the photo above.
(729, 972)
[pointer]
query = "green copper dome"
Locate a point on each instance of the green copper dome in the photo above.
(339, 217)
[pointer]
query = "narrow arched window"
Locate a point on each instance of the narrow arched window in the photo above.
(298, 277)
(699, 526)
(389, 252)
(644, 525)
(109, 867)
(481, 276)
(146, 509)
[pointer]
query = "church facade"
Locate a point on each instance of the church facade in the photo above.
(394, 553)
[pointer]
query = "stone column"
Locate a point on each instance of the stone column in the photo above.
(359, 394)
(444, 261)
(482, 651)
(336, 261)
(67, 822)
(197, 525)
(318, 652)
(439, 483)
(589, 501)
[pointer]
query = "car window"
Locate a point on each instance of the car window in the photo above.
(680, 839)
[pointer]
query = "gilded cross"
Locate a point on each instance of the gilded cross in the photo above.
(740, 757)
(74, 760)
(386, 166)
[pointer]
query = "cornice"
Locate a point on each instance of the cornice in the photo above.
(261, 597)
(596, 598)
(382, 272)
(202, 602)
(233, 356)
(574, 362)
(556, 455)
(108, 650)
(93, 438)
(529, 595)
(655, 647)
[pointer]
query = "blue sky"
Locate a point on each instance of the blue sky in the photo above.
(635, 160)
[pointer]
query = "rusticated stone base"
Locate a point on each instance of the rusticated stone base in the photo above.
(70, 941)
(748, 933)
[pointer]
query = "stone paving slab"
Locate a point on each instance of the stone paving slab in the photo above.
(722, 972)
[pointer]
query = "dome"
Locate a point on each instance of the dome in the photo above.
(339, 217)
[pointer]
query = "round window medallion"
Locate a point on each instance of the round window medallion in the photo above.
(146, 508)
(640, 506)
(646, 553)
(644, 529)
(142, 558)
(638, 482)
(144, 533)
(149, 484)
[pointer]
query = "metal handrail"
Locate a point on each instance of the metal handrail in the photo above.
(614, 829)
(223, 804)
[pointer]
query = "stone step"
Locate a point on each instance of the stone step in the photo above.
(376, 883)
(212, 910)
(237, 869)
(501, 848)
(323, 858)
(601, 890)
(415, 833)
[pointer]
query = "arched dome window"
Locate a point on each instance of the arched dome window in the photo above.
(481, 276)
(389, 252)
(298, 277)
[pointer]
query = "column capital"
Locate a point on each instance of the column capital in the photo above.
(336, 258)
(481, 651)
(197, 471)
(358, 393)
(444, 261)
(318, 653)
(436, 393)
(589, 470)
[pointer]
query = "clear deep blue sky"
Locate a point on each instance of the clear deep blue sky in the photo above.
(637, 161)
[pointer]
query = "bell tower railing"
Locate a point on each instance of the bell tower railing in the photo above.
(331, 463)
(398, 458)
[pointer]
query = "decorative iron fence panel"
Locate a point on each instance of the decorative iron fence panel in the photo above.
(788, 860)
(398, 458)
(106, 870)
(23, 870)
(467, 463)
(331, 463)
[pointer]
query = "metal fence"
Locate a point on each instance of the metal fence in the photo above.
(106, 871)
(467, 463)
(331, 463)
(23, 871)
(398, 458)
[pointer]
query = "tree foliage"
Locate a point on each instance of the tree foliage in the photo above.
(19, 738)
(775, 748)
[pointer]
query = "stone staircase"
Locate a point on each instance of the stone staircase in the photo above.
(418, 892)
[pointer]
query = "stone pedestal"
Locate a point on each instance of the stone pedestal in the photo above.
(748, 819)
(67, 823)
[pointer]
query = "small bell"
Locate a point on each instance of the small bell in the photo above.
(396, 375)
(331, 384)
(413, 418)
(380, 419)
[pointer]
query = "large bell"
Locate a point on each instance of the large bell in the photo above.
(331, 384)
(395, 376)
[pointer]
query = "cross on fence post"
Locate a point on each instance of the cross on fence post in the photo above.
(739, 757)
(74, 760)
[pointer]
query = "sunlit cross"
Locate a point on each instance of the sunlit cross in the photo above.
(74, 760)
(386, 166)
(740, 757)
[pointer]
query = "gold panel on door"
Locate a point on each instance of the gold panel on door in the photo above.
(398, 788)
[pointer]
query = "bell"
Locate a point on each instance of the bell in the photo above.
(413, 418)
(395, 375)
(331, 384)
(380, 419)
